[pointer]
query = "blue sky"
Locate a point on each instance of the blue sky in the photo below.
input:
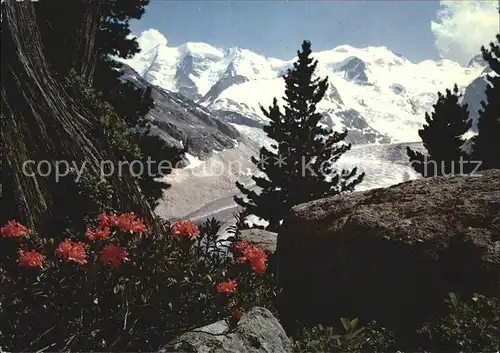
(277, 28)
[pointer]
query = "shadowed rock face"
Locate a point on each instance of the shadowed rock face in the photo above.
(359, 132)
(258, 331)
(391, 254)
(354, 70)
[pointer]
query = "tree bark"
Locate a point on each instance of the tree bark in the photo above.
(40, 122)
(85, 55)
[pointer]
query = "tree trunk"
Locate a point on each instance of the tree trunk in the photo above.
(85, 55)
(40, 122)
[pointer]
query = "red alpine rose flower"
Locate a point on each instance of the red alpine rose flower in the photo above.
(237, 315)
(256, 256)
(113, 255)
(72, 251)
(185, 229)
(106, 220)
(242, 245)
(13, 229)
(101, 233)
(227, 287)
(127, 222)
(31, 259)
(241, 260)
(259, 265)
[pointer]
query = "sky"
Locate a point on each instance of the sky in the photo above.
(418, 30)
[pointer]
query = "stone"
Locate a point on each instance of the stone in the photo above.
(390, 254)
(261, 238)
(258, 331)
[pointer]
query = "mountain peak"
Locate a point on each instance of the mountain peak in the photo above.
(199, 48)
(343, 48)
(150, 39)
(390, 91)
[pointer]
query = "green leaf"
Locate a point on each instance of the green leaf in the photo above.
(358, 331)
(354, 322)
(453, 299)
(346, 323)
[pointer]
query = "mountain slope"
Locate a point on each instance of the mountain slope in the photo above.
(183, 123)
(379, 96)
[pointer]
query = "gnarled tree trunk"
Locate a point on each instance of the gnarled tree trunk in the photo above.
(85, 55)
(41, 122)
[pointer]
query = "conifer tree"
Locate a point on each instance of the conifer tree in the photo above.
(300, 165)
(442, 137)
(486, 146)
(58, 22)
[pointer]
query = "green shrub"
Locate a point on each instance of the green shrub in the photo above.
(111, 128)
(470, 326)
(349, 339)
(118, 287)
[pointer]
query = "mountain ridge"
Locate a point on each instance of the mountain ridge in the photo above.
(377, 95)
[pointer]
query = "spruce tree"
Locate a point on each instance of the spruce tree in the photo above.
(442, 137)
(300, 165)
(486, 146)
(58, 22)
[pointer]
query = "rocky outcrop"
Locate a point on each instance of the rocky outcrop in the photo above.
(391, 254)
(359, 132)
(354, 70)
(261, 238)
(258, 331)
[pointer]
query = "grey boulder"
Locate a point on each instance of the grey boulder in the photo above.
(258, 331)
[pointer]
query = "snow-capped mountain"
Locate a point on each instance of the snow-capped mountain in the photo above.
(182, 123)
(378, 95)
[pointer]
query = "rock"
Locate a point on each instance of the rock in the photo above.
(258, 331)
(261, 238)
(391, 254)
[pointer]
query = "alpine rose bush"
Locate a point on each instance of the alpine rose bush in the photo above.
(114, 286)
(255, 256)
